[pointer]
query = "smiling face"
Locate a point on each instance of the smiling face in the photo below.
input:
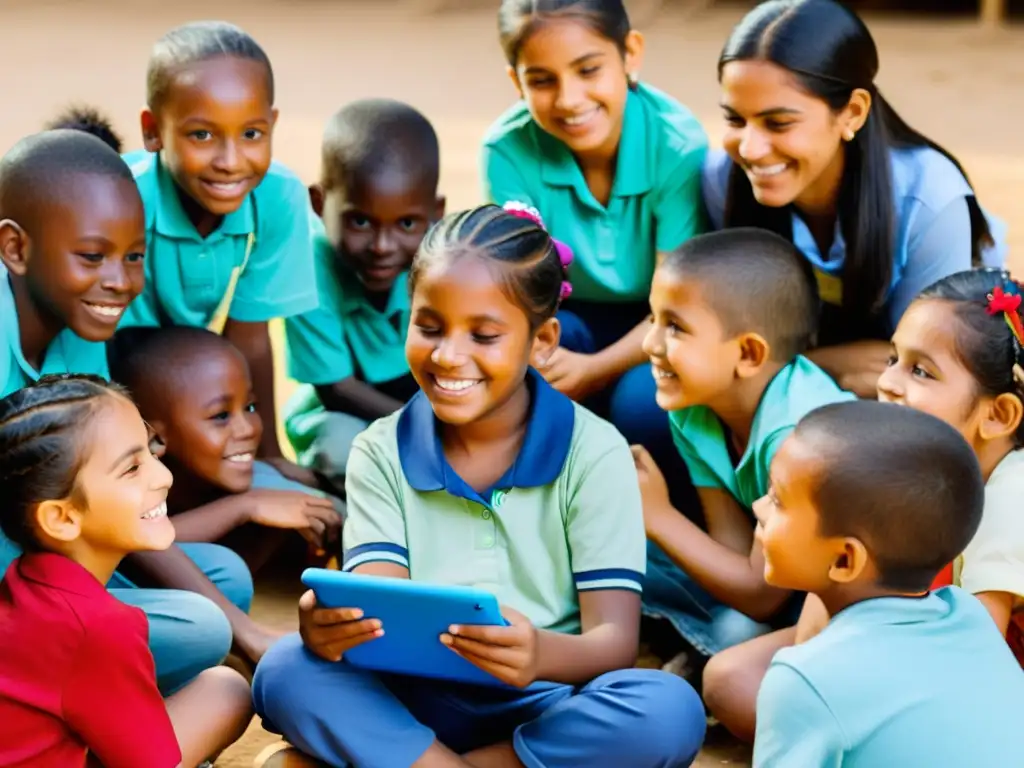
(925, 372)
(692, 358)
(82, 261)
(213, 130)
(789, 142)
(796, 555)
(121, 488)
(376, 224)
(468, 346)
(210, 427)
(575, 83)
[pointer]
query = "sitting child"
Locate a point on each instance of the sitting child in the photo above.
(194, 390)
(734, 311)
(375, 200)
(72, 247)
(868, 502)
(958, 354)
(77, 681)
(489, 477)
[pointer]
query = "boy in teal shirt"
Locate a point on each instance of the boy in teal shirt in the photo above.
(377, 197)
(227, 228)
(733, 313)
(868, 502)
(72, 243)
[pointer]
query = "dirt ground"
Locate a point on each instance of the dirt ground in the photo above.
(947, 77)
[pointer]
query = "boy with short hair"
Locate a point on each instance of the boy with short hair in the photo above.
(734, 311)
(868, 502)
(194, 389)
(376, 199)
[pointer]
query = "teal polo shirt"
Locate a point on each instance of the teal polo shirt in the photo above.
(565, 518)
(346, 335)
(655, 202)
(256, 266)
(67, 353)
(702, 439)
(895, 682)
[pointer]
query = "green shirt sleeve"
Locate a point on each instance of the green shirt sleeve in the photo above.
(375, 527)
(605, 520)
(503, 181)
(701, 473)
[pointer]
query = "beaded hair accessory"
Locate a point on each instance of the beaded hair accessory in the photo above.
(564, 252)
(1006, 300)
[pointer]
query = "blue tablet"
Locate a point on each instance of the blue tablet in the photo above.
(414, 615)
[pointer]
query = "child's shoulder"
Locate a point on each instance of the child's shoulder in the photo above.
(379, 441)
(592, 436)
(514, 127)
(797, 389)
(281, 186)
(678, 128)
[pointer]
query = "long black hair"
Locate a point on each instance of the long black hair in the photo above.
(831, 53)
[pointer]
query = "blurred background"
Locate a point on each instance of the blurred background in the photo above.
(951, 73)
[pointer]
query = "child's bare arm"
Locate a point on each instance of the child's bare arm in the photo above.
(736, 579)
(727, 523)
(609, 639)
(209, 714)
(1000, 606)
(357, 398)
(313, 516)
(211, 522)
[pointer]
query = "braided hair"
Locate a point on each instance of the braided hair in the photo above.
(532, 264)
(41, 431)
(986, 340)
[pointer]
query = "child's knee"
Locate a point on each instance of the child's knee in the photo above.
(188, 635)
(730, 684)
(236, 580)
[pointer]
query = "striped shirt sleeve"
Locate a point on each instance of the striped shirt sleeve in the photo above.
(374, 531)
(605, 523)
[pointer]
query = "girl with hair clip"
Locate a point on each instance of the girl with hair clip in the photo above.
(815, 153)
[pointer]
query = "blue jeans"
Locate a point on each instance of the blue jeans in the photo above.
(705, 623)
(342, 715)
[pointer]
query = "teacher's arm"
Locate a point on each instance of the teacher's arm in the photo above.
(938, 244)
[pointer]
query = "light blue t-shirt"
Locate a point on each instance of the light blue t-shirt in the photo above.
(933, 227)
(895, 682)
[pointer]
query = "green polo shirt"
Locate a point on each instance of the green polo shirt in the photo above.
(259, 259)
(655, 202)
(346, 335)
(67, 353)
(701, 438)
(565, 518)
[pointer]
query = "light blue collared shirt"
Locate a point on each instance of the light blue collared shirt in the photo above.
(933, 227)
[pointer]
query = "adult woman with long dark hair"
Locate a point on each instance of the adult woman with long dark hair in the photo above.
(813, 152)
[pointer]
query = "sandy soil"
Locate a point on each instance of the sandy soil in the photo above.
(948, 78)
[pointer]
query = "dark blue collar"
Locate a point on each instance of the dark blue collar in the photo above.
(540, 460)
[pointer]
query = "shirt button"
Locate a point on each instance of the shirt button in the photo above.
(487, 514)
(203, 254)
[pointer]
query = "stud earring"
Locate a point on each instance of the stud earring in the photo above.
(634, 79)
(849, 134)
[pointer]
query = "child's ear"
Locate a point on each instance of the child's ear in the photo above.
(14, 244)
(1003, 417)
(58, 520)
(439, 207)
(273, 118)
(150, 131)
(514, 77)
(850, 563)
(316, 198)
(754, 353)
(545, 342)
(634, 58)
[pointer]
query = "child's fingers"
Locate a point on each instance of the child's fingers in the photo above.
(326, 617)
(501, 671)
(494, 654)
(508, 637)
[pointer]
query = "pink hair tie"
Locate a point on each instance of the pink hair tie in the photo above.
(565, 254)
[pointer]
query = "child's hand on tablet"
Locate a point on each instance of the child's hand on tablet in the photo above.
(330, 632)
(509, 653)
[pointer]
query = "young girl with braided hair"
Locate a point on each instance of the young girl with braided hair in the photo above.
(489, 477)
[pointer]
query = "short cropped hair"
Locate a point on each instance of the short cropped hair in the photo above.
(904, 483)
(40, 169)
(373, 136)
(754, 281)
(195, 42)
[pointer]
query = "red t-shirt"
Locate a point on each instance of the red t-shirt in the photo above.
(77, 680)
